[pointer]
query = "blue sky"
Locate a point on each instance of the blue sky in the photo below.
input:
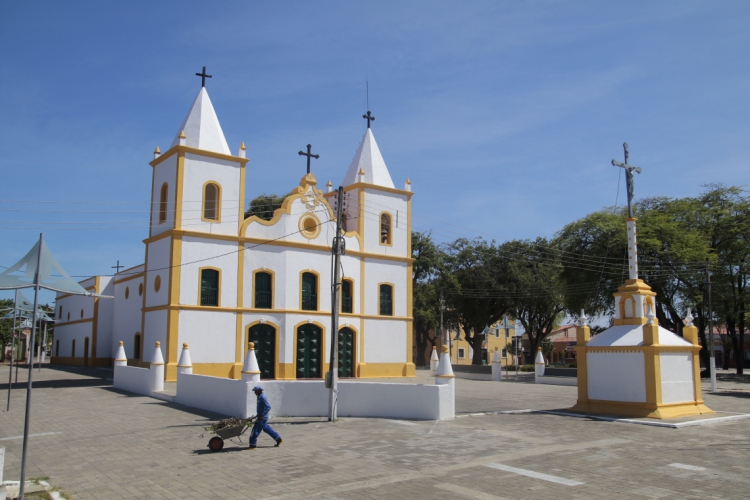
(505, 115)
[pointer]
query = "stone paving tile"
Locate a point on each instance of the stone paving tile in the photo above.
(117, 445)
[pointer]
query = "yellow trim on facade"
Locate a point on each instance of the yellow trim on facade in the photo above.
(74, 322)
(225, 370)
(173, 317)
(179, 188)
(386, 370)
(366, 185)
(286, 372)
(238, 357)
(189, 307)
(219, 189)
(178, 149)
(309, 233)
(135, 276)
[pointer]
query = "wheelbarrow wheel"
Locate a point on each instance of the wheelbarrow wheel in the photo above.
(216, 443)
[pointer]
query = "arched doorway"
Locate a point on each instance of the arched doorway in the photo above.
(308, 351)
(86, 351)
(264, 337)
(346, 352)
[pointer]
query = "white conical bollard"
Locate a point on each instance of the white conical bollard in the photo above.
(120, 358)
(251, 370)
(156, 369)
(185, 365)
(444, 374)
(434, 360)
(497, 366)
(538, 364)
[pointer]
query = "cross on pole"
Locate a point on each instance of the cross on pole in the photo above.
(629, 169)
(309, 155)
(369, 118)
(203, 76)
(117, 267)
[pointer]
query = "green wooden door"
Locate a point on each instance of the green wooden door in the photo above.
(308, 351)
(346, 352)
(264, 338)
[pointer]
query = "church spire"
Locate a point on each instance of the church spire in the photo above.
(201, 127)
(368, 160)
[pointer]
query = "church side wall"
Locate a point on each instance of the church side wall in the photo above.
(211, 336)
(127, 315)
(616, 376)
(198, 170)
(105, 316)
(385, 341)
(166, 171)
(159, 262)
(676, 377)
(65, 334)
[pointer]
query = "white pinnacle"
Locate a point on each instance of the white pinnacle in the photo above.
(368, 160)
(202, 128)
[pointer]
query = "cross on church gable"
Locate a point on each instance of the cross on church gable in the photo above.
(309, 155)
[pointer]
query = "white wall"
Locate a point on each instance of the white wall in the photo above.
(127, 315)
(677, 383)
(155, 329)
(380, 271)
(220, 395)
(105, 317)
(66, 333)
(197, 171)
(158, 265)
(211, 335)
(385, 341)
(617, 376)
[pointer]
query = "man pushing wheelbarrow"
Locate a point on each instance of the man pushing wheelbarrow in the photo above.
(261, 424)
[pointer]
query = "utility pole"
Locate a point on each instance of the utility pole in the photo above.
(338, 249)
(712, 359)
(12, 351)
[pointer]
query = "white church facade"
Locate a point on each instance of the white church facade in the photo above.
(216, 281)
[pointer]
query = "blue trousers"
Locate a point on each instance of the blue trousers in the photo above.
(262, 425)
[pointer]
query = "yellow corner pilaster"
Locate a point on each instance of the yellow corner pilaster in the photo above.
(583, 334)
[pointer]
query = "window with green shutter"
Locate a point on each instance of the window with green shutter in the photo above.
(346, 297)
(263, 291)
(309, 292)
(209, 287)
(386, 300)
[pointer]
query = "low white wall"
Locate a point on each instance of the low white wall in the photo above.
(617, 376)
(290, 398)
(217, 394)
(677, 384)
(133, 379)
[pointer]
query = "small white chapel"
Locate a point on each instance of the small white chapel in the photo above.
(216, 281)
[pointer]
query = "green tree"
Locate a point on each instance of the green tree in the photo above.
(427, 262)
(473, 279)
(534, 280)
(6, 326)
(263, 206)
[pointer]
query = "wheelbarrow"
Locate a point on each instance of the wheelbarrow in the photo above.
(216, 443)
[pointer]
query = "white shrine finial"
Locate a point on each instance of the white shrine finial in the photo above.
(688, 321)
(584, 319)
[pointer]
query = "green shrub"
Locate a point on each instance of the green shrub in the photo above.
(527, 368)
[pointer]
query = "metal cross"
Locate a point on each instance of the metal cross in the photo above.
(309, 155)
(118, 266)
(369, 118)
(629, 169)
(203, 76)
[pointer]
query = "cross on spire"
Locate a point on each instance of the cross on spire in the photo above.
(117, 267)
(203, 76)
(369, 118)
(629, 169)
(309, 155)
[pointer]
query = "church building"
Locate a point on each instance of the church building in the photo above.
(214, 280)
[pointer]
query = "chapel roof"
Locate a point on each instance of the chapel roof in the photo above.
(370, 161)
(632, 335)
(202, 127)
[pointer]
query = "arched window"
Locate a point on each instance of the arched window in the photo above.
(163, 204)
(347, 296)
(209, 287)
(386, 300)
(263, 290)
(385, 228)
(73, 349)
(59, 315)
(211, 202)
(57, 348)
(309, 292)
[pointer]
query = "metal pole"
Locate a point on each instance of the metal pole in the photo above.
(43, 347)
(442, 330)
(12, 350)
(518, 341)
(31, 371)
(712, 359)
(338, 249)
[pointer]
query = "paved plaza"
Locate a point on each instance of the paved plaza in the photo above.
(94, 442)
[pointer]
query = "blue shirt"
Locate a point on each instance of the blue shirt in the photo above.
(263, 406)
